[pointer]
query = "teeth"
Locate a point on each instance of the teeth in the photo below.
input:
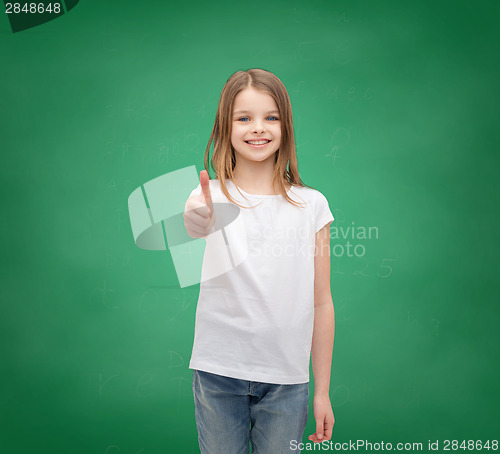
(259, 142)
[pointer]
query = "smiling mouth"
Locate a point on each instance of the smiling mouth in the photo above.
(257, 142)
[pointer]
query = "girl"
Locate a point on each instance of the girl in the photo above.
(258, 324)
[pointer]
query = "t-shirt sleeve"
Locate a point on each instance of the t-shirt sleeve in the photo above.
(323, 215)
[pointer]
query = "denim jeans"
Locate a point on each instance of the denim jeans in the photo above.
(230, 413)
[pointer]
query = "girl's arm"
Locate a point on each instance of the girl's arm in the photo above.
(323, 334)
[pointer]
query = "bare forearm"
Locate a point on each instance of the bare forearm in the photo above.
(322, 346)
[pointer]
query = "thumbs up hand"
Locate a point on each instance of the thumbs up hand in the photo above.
(198, 213)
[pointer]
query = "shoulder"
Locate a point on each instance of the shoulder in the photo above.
(217, 192)
(309, 194)
(215, 184)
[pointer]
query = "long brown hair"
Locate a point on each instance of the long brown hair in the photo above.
(223, 159)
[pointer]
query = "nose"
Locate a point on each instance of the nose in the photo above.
(258, 126)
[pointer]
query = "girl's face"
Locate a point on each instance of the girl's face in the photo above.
(255, 119)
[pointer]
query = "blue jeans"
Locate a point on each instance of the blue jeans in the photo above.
(230, 413)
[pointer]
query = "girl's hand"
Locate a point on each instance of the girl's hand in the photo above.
(323, 414)
(198, 212)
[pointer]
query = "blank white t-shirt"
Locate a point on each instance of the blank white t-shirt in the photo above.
(255, 322)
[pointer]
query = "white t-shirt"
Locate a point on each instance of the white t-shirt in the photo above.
(255, 321)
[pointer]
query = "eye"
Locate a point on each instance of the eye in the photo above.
(272, 117)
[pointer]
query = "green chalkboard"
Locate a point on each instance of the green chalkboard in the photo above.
(396, 122)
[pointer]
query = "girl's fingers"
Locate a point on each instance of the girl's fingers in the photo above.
(205, 187)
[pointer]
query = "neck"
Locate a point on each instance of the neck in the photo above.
(255, 177)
